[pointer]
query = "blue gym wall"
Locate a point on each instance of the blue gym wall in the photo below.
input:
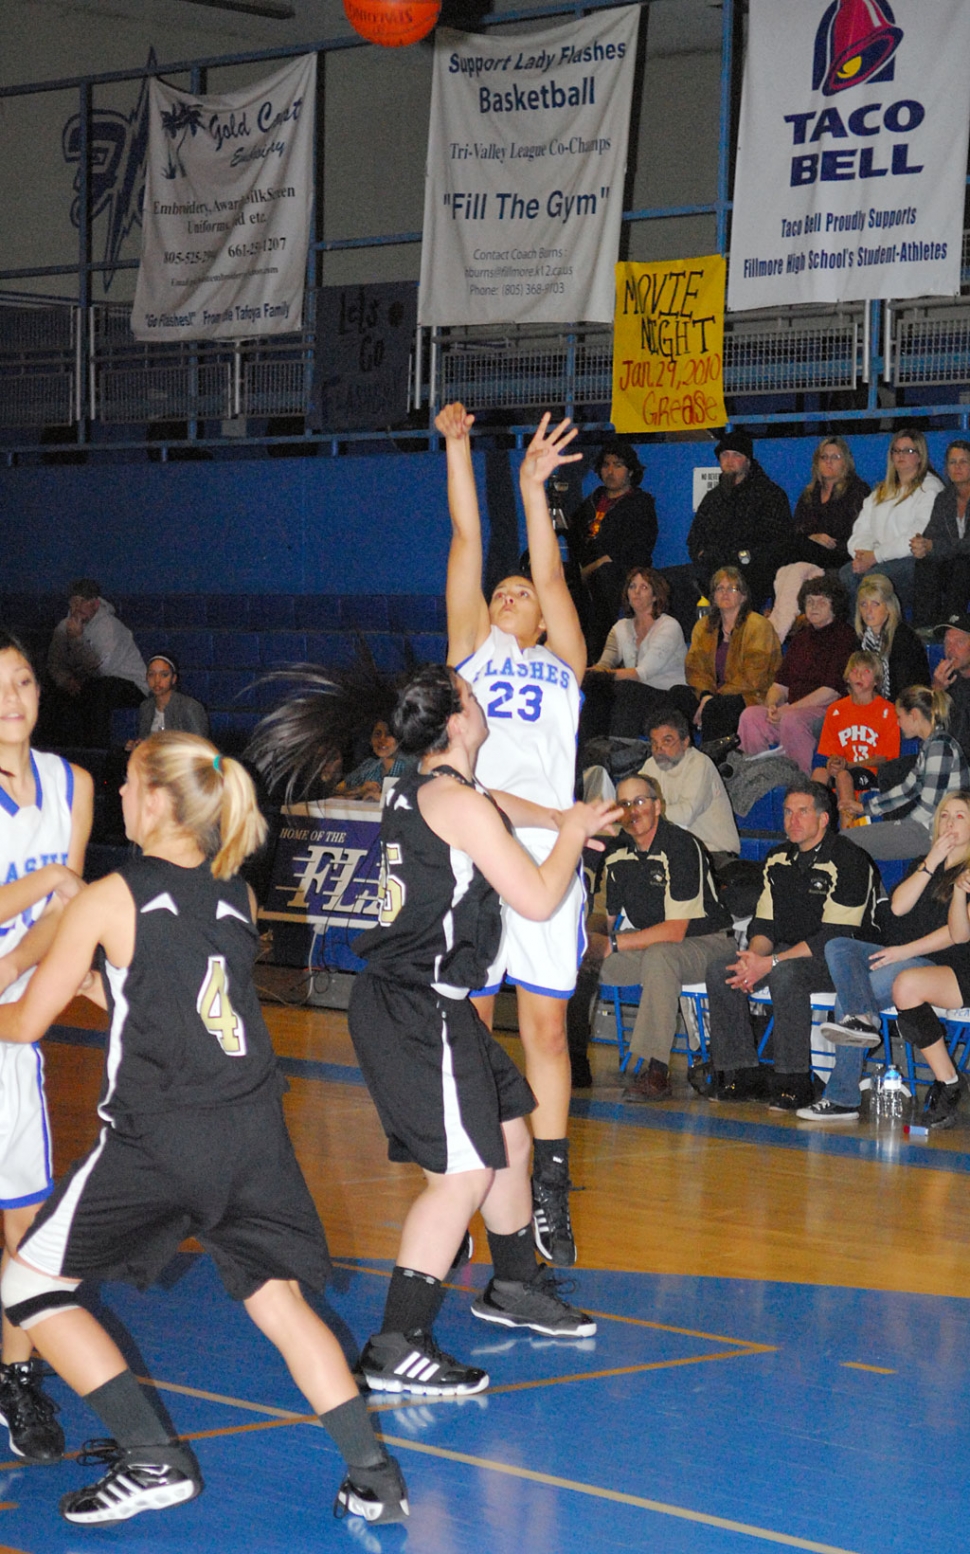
(375, 525)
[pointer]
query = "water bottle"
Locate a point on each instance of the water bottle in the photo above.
(891, 1096)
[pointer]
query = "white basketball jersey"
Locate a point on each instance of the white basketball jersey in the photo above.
(531, 702)
(31, 837)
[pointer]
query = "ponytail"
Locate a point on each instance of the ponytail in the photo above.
(213, 797)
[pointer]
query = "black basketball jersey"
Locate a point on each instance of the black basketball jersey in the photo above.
(186, 1027)
(439, 923)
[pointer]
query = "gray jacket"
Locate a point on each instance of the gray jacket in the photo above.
(942, 528)
(183, 713)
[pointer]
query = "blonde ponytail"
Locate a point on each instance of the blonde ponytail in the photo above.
(213, 797)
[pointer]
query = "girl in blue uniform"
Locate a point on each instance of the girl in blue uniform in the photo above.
(45, 821)
(524, 653)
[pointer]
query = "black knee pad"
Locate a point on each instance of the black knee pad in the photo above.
(921, 1025)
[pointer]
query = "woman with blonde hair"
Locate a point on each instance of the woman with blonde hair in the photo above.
(892, 515)
(193, 1140)
(880, 628)
(922, 990)
(823, 519)
(733, 658)
(918, 934)
(941, 768)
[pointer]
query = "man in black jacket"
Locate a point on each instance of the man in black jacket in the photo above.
(744, 521)
(609, 533)
(817, 886)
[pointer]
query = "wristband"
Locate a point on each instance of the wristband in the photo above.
(924, 870)
(613, 944)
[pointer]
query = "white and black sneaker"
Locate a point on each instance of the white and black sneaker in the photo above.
(852, 1031)
(413, 1362)
(139, 1478)
(828, 1111)
(378, 1494)
(551, 1225)
(534, 1303)
(29, 1414)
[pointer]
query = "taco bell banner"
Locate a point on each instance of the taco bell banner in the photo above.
(226, 219)
(852, 151)
(668, 345)
(524, 184)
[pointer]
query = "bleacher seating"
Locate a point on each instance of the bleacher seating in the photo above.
(225, 642)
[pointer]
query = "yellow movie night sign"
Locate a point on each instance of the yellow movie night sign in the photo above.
(668, 343)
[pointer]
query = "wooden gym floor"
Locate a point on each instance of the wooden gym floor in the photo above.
(782, 1356)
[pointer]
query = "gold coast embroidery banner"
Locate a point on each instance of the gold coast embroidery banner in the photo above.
(226, 221)
(668, 345)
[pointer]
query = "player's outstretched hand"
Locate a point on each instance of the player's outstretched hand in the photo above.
(598, 816)
(454, 421)
(546, 451)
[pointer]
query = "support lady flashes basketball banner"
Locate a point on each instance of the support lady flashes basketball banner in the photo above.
(226, 219)
(524, 185)
(852, 153)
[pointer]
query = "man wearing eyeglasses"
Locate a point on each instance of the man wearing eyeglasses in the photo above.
(817, 886)
(666, 925)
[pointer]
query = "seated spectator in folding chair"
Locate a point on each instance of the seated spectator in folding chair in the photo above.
(919, 992)
(860, 732)
(817, 886)
(916, 934)
(666, 925)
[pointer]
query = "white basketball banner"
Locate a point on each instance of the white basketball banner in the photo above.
(226, 220)
(852, 151)
(524, 184)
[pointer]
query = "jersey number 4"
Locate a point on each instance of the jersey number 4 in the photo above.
(216, 1012)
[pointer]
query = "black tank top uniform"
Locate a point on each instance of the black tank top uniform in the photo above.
(440, 920)
(186, 1027)
(194, 1141)
(441, 1084)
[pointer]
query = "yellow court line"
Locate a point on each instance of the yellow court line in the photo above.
(287, 1415)
(624, 1370)
(787, 1540)
(602, 1316)
(857, 1365)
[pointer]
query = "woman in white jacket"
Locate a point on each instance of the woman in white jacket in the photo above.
(891, 517)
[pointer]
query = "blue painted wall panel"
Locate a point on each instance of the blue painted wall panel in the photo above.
(370, 526)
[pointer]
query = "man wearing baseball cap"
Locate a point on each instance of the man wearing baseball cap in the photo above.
(744, 521)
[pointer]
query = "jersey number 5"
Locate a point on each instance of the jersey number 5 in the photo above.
(392, 890)
(216, 1012)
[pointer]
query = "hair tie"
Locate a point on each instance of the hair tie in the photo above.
(215, 761)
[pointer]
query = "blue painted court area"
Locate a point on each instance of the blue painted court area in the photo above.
(707, 1416)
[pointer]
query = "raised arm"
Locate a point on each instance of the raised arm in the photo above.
(544, 454)
(469, 821)
(465, 602)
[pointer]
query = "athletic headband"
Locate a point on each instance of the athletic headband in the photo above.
(164, 658)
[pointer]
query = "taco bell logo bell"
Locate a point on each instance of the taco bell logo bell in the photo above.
(855, 42)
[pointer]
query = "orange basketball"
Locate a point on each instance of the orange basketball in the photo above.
(392, 23)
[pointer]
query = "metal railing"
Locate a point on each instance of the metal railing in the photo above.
(129, 383)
